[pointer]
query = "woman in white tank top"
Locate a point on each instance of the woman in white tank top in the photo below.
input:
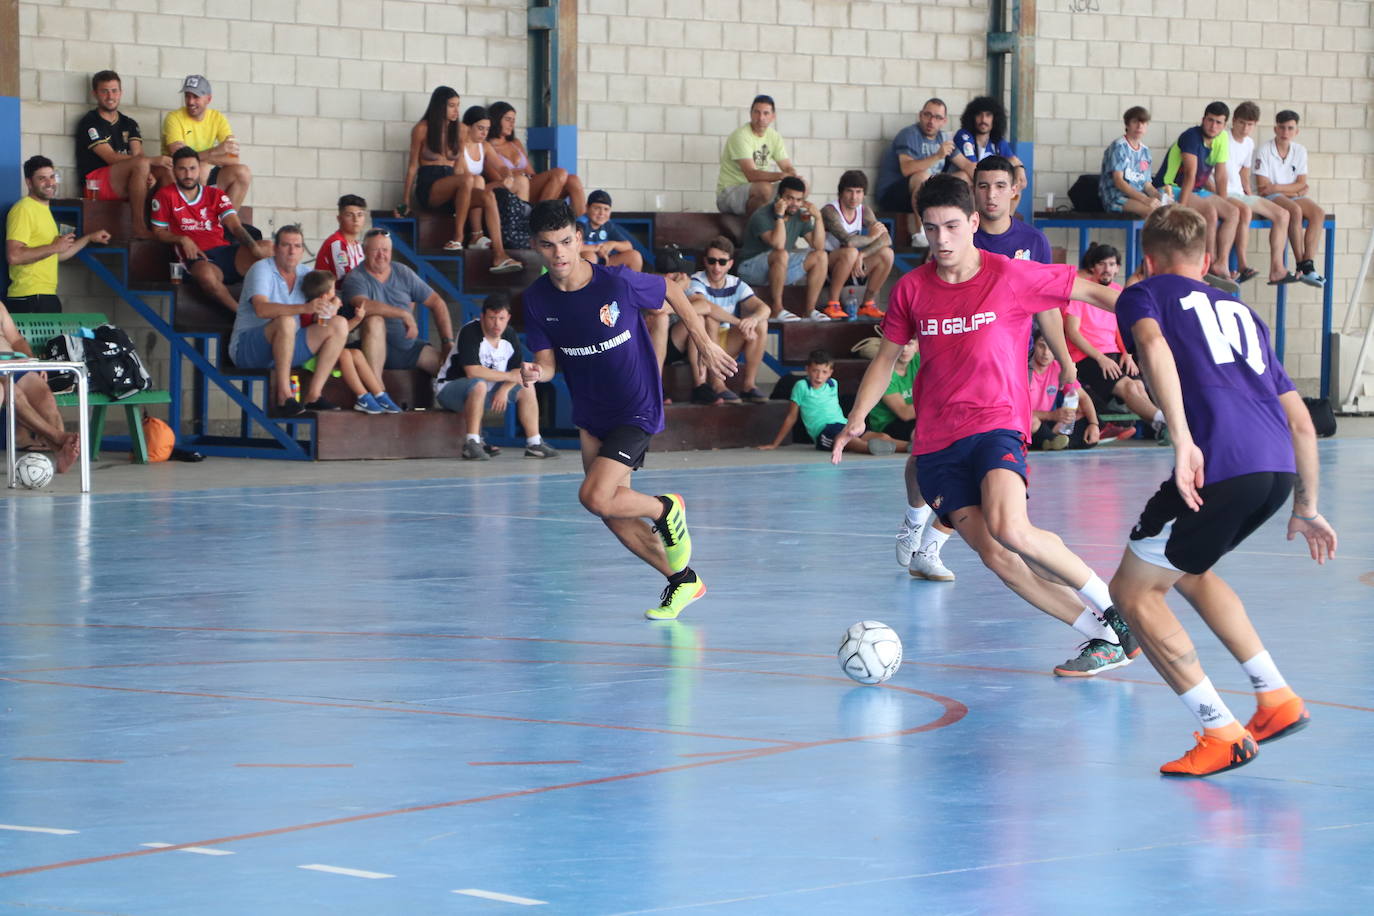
(483, 208)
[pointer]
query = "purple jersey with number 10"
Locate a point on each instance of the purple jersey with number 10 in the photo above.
(1230, 378)
(603, 349)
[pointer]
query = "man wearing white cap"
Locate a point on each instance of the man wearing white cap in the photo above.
(206, 131)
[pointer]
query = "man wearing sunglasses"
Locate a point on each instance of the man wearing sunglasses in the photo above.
(731, 302)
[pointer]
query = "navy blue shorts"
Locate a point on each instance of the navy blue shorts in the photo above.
(825, 440)
(952, 478)
(223, 257)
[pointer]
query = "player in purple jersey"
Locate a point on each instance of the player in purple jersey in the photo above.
(586, 319)
(999, 230)
(1243, 439)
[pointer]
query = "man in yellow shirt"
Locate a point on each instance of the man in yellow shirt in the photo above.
(744, 183)
(206, 131)
(33, 245)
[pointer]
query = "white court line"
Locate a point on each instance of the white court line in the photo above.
(504, 898)
(53, 830)
(352, 872)
(198, 850)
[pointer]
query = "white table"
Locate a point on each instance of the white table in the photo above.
(8, 368)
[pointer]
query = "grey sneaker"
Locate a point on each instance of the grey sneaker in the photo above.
(473, 451)
(542, 450)
(1123, 632)
(1094, 657)
(881, 447)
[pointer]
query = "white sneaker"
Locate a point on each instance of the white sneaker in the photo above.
(926, 564)
(908, 539)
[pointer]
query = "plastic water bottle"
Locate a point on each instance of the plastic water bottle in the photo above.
(849, 300)
(1071, 402)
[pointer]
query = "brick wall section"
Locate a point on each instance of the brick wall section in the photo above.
(1312, 57)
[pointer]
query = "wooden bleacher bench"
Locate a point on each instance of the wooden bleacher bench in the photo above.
(38, 329)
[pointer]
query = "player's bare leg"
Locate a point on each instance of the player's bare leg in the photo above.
(921, 534)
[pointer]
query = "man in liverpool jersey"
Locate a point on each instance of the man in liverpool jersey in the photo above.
(193, 218)
(1243, 440)
(971, 312)
(587, 318)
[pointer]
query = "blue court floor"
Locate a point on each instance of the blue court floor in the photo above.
(440, 697)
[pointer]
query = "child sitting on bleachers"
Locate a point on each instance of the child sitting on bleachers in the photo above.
(371, 397)
(817, 399)
(1047, 405)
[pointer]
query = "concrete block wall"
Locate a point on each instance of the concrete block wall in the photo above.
(1312, 57)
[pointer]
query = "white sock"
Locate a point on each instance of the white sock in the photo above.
(473, 437)
(916, 516)
(531, 441)
(1204, 702)
(932, 539)
(1095, 591)
(1263, 673)
(1094, 627)
(1158, 420)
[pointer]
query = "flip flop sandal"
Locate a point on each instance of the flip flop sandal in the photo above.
(1247, 275)
(509, 265)
(1287, 278)
(454, 245)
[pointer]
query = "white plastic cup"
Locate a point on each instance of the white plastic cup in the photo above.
(178, 271)
(1049, 201)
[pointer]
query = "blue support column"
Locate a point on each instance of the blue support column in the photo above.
(11, 162)
(560, 141)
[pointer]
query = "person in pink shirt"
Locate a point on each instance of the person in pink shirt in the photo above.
(972, 311)
(1048, 410)
(1105, 370)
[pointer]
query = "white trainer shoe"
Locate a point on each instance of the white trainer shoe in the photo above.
(908, 539)
(926, 564)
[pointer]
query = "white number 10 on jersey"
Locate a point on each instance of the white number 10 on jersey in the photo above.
(1229, 329)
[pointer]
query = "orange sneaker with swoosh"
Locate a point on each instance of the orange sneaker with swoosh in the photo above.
(1269, 723)
(1213, 755)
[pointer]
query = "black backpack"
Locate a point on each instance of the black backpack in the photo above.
(1083, 195)
(112, 366)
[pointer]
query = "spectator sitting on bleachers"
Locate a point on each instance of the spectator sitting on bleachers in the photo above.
(816, 398)
(482, 204)
(1281, 173)
(482, 373)
(918, 152)
(206, 131)
(723, 299)
(894, 414)
(1124, 185)
(109, 152)
(33, 245)
(1105, 370)
(998, 229)
(1191, 161)
(1047, 405)
(769, 255)
(370, 397)
(603, 242)
(674, 268)
(267, 329)
(343, 250)
(193, 218)
(35, 409)
(860, 247)
(1239, 159)
(745, 183)
(527, 184)
(982, 133)
(389, 292)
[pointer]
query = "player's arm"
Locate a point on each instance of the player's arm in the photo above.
(899, 407)
(17, 253)
(1161, 372)
(1305, 519)
(1051, 322)
(1186, 177)
(106, 154)
(876, 378)
(1093, 293)
(789, 421)
(1073, 333)
(715, 358)
(540, 370)
(236, 229)
(100, 235)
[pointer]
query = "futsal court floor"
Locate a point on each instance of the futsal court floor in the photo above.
(440, 696)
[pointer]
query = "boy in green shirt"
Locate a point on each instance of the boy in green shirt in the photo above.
(817, 400)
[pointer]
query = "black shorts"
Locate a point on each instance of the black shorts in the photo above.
(627, 444)
(40, 304)
(895, 198)
(1171, 535)
(1096, 383)
(900, 429)
(673, 354)
(223, 257)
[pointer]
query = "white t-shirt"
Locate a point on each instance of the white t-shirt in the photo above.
(727, 297)
(1241, 155)
(1277, 169)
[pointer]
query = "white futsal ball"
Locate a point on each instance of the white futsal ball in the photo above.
(33, 470)
(870, 652)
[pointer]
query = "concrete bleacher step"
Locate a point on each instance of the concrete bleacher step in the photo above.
(477, 275)
(114, 216)
(689, 427)
(798, 338)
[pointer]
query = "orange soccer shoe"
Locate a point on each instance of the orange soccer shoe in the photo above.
(1212, 755)
(1269, 723)
(834, 311)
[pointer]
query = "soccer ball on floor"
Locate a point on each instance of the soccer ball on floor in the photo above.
(871, 652)
(33, 470)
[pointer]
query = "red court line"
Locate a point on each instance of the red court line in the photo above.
(953, 712)
(295, 766)
(516, 763)
(65, 760)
